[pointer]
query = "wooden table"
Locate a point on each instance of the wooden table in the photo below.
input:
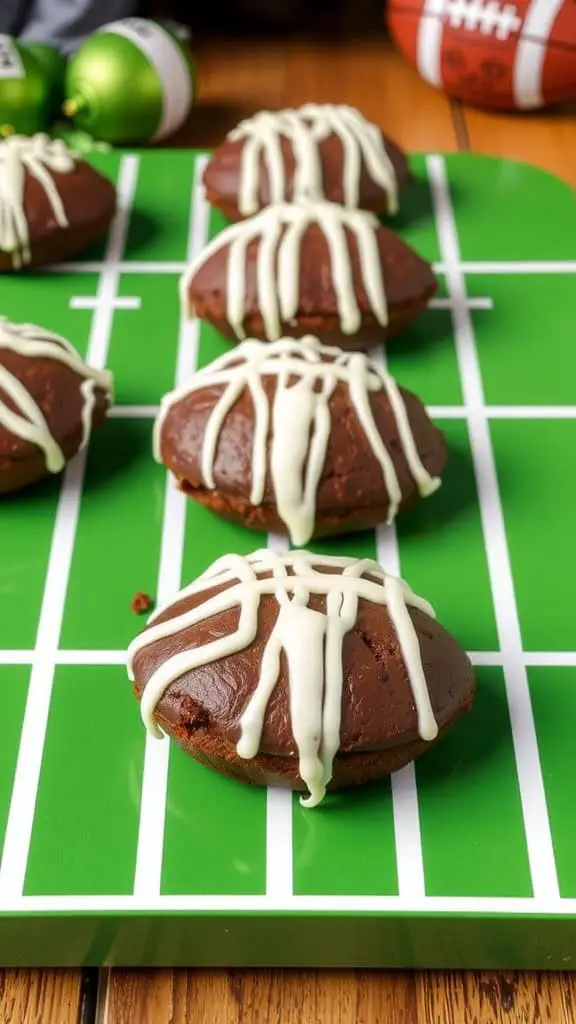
(234, 80)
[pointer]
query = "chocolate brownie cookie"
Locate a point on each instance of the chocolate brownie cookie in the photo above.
(52, 205)
(295, 437)
(49, 402)
(319, 151)
(308, 268)
(300, 670)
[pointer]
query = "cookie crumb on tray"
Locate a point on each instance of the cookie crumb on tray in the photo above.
(141, 603)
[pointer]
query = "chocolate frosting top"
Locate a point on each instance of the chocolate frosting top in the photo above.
(87, 197)
(407, 277)
(45, 188)
(351, 475)
(378, 707)
(222, 174)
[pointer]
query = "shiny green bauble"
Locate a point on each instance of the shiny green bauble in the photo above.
(54, 65)
(132, 81)
(25, 92)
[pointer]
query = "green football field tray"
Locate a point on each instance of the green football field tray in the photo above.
(121, 850)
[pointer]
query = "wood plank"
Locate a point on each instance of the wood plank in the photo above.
(40, 997)
(145, 996)
(547, 139)
(370, 75)
(261, 997)
(491, 997)
(236, 78)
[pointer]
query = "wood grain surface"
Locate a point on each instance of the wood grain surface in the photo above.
(41, 997)
(338, 997)
(234, 79)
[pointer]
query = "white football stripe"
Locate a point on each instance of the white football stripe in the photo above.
(529, 64)
(429, 52)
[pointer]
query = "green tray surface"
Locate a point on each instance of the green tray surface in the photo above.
(119, 849)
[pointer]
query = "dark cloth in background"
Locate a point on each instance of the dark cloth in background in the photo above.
(60, 23)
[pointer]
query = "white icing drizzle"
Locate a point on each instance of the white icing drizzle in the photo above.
(312, 642)
(306, 128)
(279, 231)
(37, 155)
(299, 422)
(28, 421)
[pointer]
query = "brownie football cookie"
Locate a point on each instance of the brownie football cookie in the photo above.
(52, 204)
(49, 402)
(299, 438)
(299, 670)
(318, 151)
(308, 268)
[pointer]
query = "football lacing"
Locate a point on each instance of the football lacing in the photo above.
(487, 16)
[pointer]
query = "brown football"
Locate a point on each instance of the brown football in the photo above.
(246, 435)
(52, 204)
(308, 268)
(300, 670)
(318, 151)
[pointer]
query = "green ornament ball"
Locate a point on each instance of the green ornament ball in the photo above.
(132, 81)
(25, 91)
(54, 64)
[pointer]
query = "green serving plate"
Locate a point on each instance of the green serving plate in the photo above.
(121, 850)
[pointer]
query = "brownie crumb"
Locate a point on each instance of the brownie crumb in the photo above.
(141, 603)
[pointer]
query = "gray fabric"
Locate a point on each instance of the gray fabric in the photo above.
(12, 14)
(65, 23)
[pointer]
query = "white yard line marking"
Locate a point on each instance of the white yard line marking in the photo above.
(407, 835)
(27, 774)
(233, 904)
(550, 659)
(133, 412)
(510, 266)
(124, 266)
(279, 869)
(72, 656)
(150, 850)
(531, 412)
(279, 835)
(473, 303)
(91, 302)
(536, 822)
(486, 658)
(446, 412)
(506, 412)
(79, 657)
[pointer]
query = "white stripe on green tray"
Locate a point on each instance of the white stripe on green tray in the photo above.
(28, 768)
(536, 822)
(148, 873)
(409, 863)
(217, 840)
